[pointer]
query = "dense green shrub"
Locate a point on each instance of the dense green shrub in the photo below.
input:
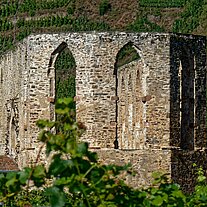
(104, 7)
(75, 178)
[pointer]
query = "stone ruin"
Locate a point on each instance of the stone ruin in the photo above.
(150, 112)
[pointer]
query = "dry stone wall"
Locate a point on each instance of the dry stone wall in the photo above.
(144, 110)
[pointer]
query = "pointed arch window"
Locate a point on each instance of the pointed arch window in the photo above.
(62, 73)
(125, 68)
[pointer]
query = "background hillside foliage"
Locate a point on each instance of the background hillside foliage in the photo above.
(20, 18)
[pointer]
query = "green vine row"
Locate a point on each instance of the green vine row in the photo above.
(162, 3)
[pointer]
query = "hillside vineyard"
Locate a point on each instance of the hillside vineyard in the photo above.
(150, 112)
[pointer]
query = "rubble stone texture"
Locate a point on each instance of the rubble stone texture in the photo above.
(150, 112)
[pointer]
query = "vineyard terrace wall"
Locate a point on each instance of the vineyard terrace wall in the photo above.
(143, 109)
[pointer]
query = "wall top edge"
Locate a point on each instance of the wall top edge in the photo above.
(118, 33)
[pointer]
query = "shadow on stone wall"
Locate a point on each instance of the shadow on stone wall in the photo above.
(188, 92)
(182, 170)
(187, 108)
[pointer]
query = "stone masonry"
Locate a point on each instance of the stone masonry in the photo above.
(150, 112)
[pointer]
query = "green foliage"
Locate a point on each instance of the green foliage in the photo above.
(104, 7)
(203, 16)
(144, 25)
(189, 20)
(126, 55)
(65, 88)
(74, 176)
(49, 23)
(167, 194)
(30, 6)
(65, 61)
(6, 42)
(71, 7)
(162, 3)
(199, 196)
(34, 198)
(65, 75)
(6, 25)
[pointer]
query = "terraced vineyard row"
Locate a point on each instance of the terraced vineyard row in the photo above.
(162, 3)
(31, 6)
(51, 23)
(190, 19)
(20, 18)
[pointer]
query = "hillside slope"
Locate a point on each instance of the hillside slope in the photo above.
(20, 18)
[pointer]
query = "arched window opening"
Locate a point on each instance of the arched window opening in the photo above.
(125, 70)
(65, 74)
(61, 77)
(127, 54)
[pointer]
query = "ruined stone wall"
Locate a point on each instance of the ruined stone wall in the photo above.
(181, 166)
(13, 93)
(95, 56)
(185, 165)
(7, 164)
(188, 92)
(143, 162)
(141, 109)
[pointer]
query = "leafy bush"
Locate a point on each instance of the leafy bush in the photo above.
(76, 178)
(104, 7)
